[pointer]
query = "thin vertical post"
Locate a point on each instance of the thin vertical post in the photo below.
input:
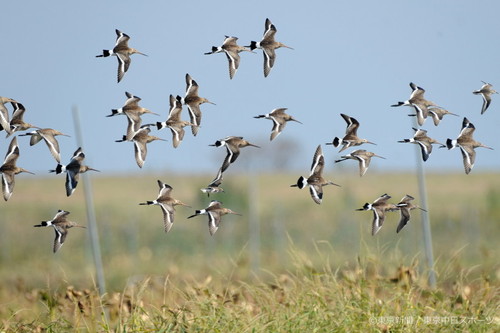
(253, 222)
(426, 226)
(89, 203)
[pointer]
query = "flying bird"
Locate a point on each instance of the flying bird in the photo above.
(231, 49)
(405, 206)
(214, 186)
(418, 102)
(279, 118)
(4, 114)
(193, 102)
(214, 211)
(73, 170)
(133, 112)
(437, 113)
(351, 137)
(174, 121)
(17, 122)
(315, 179)
(122, 53)
(425, 143)
(467, 144)
(131, 106)
(9, 169)
(486, 91)
(362, 156)
(141, 138)
(61, 224)
(268, 45)
(166, 203)
(379, 207)
(233, 145)
(48, 135)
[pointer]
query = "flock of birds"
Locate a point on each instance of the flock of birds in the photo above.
(139, 135)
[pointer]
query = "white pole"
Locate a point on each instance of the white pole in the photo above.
(92, 225)
(426, 226)
(253, 222)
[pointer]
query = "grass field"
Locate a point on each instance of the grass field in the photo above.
(286, 264)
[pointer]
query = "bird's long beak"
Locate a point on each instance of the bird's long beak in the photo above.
(372, 143)
(379, 156)
(151, 112)
(24, 170)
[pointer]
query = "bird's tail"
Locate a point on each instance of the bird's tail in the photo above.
(196, 213)
(59, 168)
(253, 45)
(161, 125)
(366, 206)
(113, 112)
(43, 224)
(301, 182)
(124, 138)
(105, 53)
(398, 104)
(214, 50)
(336, 142)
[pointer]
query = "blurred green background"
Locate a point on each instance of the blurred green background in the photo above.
(464, 213)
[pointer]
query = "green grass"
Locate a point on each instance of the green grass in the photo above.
(352, 297)
(316, 267)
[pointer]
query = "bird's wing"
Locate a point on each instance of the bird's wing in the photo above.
(469, 157)
(213, 221)
(316, 193)
(60, 237)
(405, 217)
(168, 216)
(8, 182)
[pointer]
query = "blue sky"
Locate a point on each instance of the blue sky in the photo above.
(353, 57)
